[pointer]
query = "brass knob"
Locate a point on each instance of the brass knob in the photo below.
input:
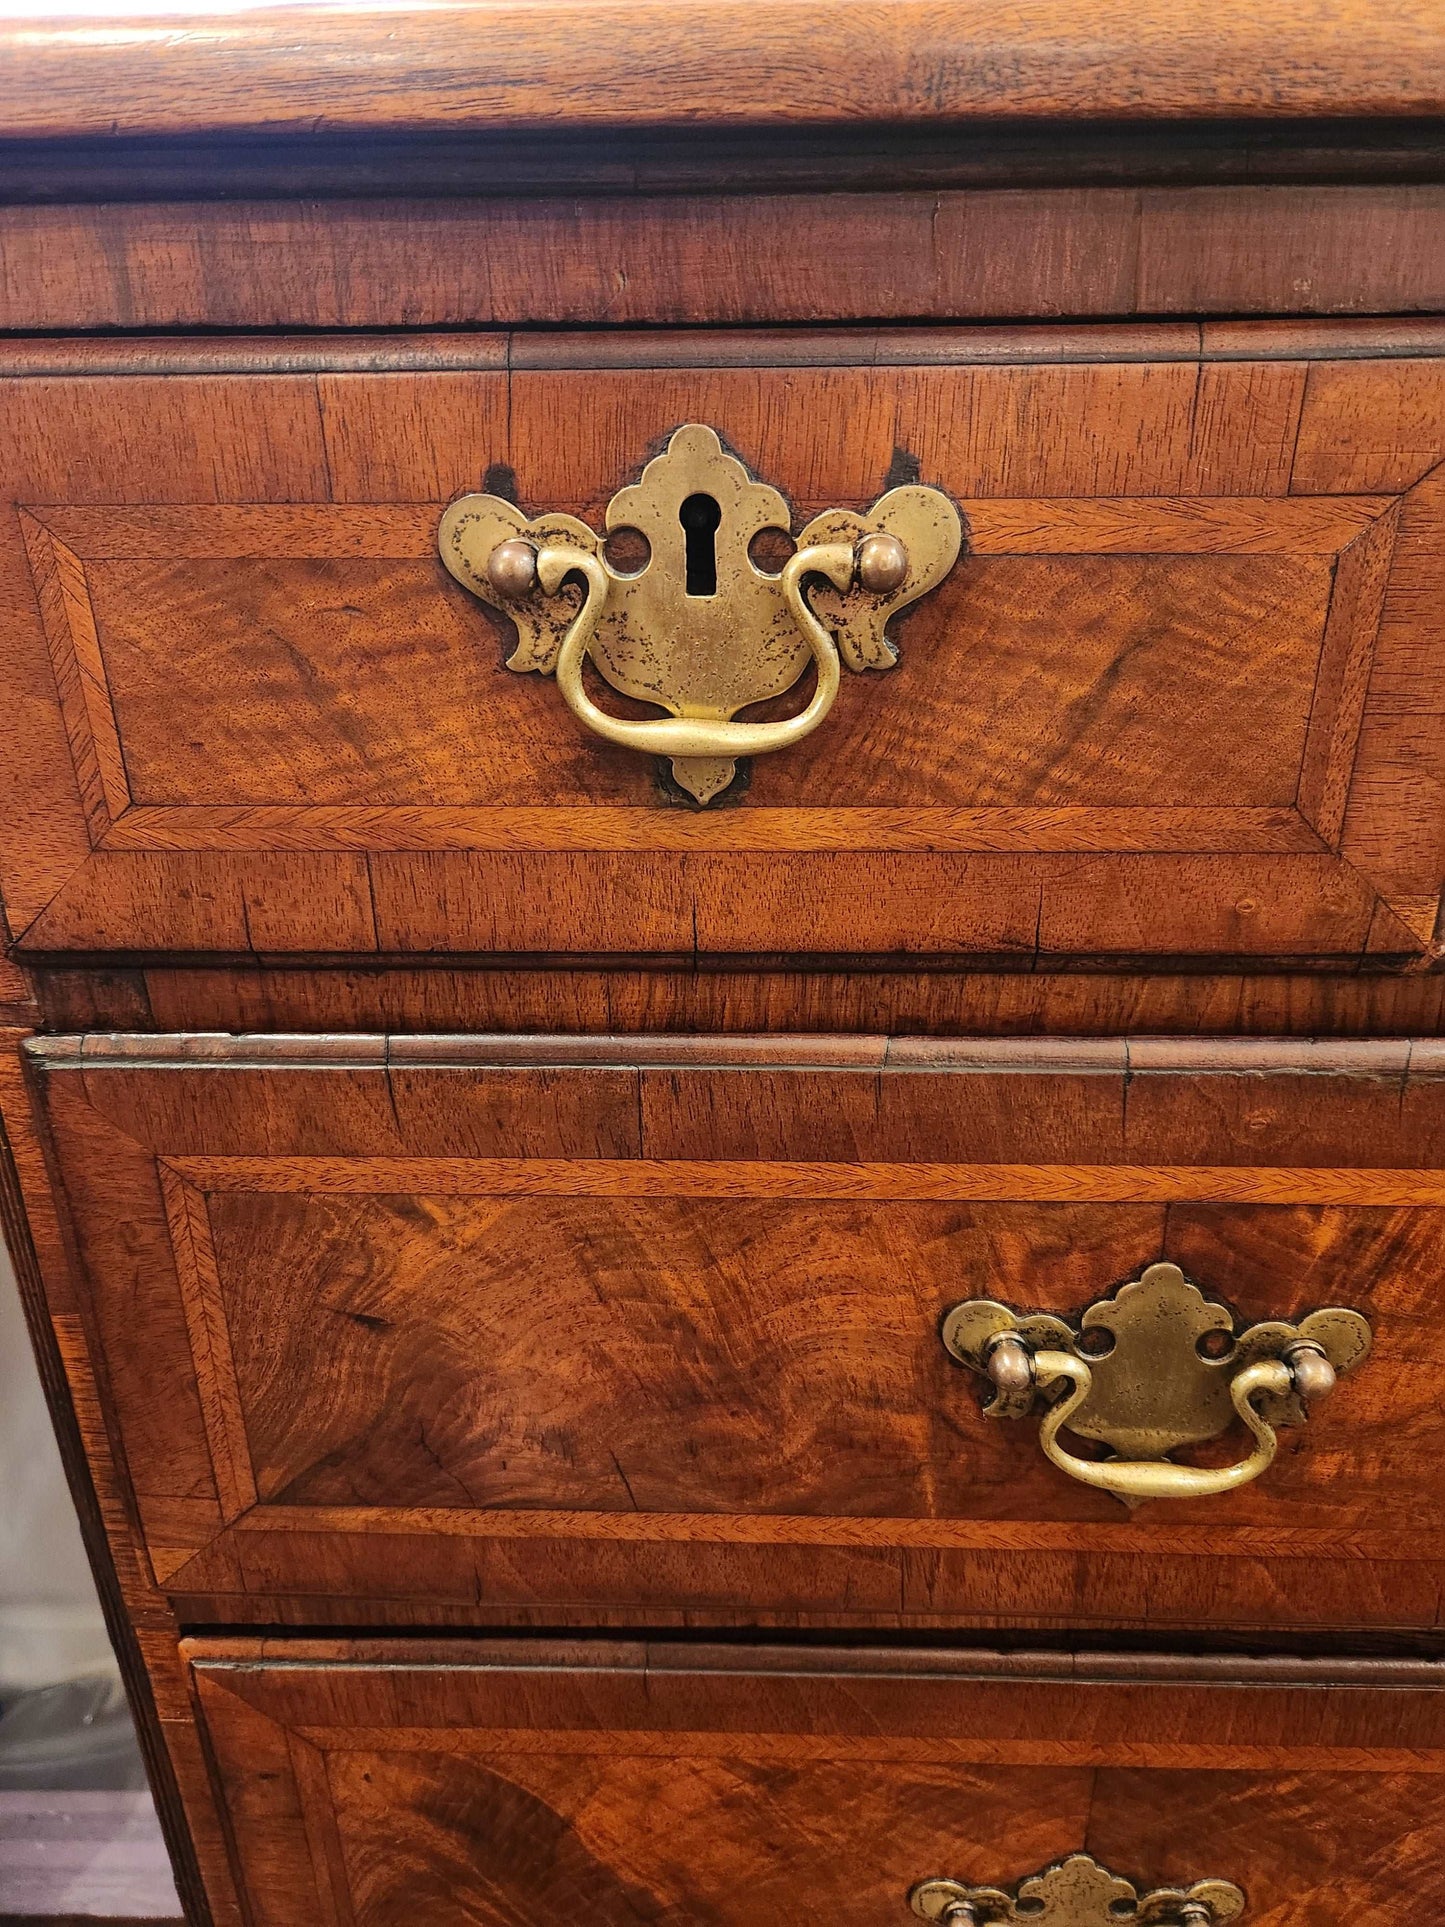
(882, 564)
(512, 569)
(1313, 1374)
(1010, 1364)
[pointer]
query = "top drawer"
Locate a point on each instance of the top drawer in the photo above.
(1179, 696)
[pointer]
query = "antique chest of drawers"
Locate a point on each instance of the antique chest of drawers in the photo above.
(722, 833)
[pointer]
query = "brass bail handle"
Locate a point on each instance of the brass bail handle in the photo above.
(1306, 1371)
(878, 564)
(1077, 1891)
(701, 631)
(1152, 1368)
(963, 1913)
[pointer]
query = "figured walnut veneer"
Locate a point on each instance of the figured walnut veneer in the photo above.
(509, 1334)
(373, 1780)
(627, 1317)
(1176, 699)
(489, 1332)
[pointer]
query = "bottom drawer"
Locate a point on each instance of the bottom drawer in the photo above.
(529, 1784)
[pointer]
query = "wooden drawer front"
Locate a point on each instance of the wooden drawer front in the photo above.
(1178, 698)
(479, 1340)
(385, 1783)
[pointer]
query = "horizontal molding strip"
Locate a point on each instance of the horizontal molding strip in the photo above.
(458, 1651)
(331, 827)
(496, 351)
(708, 63)
(671, 1746)
(1384, 1057)
(1027, 1537)
(737, 1178)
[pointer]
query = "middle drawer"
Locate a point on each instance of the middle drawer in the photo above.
(506, 1330)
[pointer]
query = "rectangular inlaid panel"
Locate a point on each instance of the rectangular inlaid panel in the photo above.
(385, 1782)
(1178, 697)
(470, 1328)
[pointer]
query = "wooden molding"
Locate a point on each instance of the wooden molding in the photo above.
(474, 351)
(525, 62)
(1377, 1057)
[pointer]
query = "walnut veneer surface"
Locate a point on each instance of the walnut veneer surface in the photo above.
(485, 1222)
(1178, 698)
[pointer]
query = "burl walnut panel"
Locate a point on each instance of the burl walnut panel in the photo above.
(381, 1783)
(1178, 699)
(498, 1326)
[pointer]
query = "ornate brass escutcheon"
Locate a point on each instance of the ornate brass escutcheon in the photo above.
(700, 629)
(1155, 1367)
(1078, 1892)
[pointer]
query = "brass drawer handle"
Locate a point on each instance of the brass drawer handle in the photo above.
(700, 630)
(1138, 1374)
(685, 737)
(1078, 1892)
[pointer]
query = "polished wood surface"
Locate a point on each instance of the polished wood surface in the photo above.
(974, 344)
(703, 1785)
(458, 1190)
(687, 995)
(1178, 699)
(932, 252)
(498, 1324)
(528, 61)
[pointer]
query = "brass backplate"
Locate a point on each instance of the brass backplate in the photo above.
(703, 655)
(1162, 1358)
(1078, 1892)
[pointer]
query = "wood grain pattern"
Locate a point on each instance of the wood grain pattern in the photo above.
(726, 1787)
(1146, 717)
(1016, 648)
(80, 677)
(1401, 754)
(933, 253)
(830, 61)
(783, 1360)
(210, 1341)
(1362, 570)
(701, 1178)
(659, 996)
(500, 1333)
(656, 1330)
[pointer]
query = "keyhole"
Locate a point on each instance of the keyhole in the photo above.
(700, 516)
